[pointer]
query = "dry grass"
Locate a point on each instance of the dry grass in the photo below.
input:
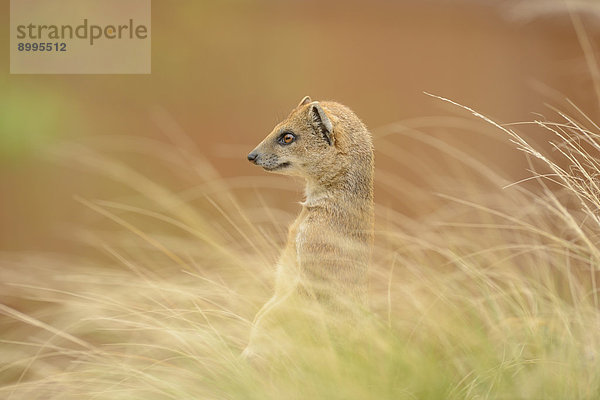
(493, 295)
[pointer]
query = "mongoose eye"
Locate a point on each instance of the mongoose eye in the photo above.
(287, 138)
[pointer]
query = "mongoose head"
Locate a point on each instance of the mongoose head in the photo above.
(318, 141)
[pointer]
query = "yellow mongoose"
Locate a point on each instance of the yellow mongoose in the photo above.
(328, 247)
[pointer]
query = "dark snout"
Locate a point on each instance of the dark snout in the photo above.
(252, 157)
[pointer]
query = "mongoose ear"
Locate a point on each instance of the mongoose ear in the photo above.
(304, 101)
(321, 122)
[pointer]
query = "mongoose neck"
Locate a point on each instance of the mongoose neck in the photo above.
(349, 191)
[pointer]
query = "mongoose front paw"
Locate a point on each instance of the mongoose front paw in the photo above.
(247, 354)
(253, 358)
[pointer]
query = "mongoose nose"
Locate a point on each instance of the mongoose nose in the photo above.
(252, 156)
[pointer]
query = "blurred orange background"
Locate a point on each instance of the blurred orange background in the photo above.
(227, 71)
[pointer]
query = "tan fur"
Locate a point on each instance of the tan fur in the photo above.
(328, 247)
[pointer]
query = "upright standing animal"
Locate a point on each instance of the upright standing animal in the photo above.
(329, 245)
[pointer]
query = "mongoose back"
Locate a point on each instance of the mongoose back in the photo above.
(328, 247)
